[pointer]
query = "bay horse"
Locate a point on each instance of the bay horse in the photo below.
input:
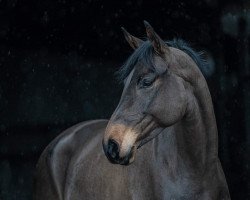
(160, 143)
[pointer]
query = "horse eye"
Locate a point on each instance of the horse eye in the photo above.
(145, 82)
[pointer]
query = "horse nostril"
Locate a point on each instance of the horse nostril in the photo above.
(113, 149)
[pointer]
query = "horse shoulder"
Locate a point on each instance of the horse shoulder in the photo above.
(52, 167)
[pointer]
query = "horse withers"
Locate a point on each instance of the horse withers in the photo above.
(160, 143)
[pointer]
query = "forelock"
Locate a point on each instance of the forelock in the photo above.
(145, 55)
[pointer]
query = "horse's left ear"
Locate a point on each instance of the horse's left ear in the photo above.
(133, 41)
(159, 45)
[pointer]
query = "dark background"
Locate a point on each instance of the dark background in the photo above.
(57, 64)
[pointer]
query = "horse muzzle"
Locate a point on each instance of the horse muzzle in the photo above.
(112, 151)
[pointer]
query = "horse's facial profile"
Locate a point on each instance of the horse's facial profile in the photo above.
(153, 98)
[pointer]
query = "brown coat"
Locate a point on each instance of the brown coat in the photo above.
(162, 138)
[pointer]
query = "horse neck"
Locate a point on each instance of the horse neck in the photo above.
(203, 114)
(193, 140)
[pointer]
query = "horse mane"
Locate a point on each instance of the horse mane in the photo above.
(145, 54)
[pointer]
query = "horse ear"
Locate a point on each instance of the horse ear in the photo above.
(158, 44)
(134, 42)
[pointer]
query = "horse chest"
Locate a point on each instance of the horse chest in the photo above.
(111, 182)
(141, 181)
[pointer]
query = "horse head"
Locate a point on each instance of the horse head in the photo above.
(155, 95)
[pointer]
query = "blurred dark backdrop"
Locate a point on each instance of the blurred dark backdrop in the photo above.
(57, 64)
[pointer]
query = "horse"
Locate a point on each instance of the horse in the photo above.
(161, 142)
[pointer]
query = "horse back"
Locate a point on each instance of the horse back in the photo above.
(52, 167)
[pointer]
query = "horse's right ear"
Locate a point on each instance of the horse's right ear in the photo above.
(133, 41)
(158, 44)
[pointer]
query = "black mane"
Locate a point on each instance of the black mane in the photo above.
(145, 54)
